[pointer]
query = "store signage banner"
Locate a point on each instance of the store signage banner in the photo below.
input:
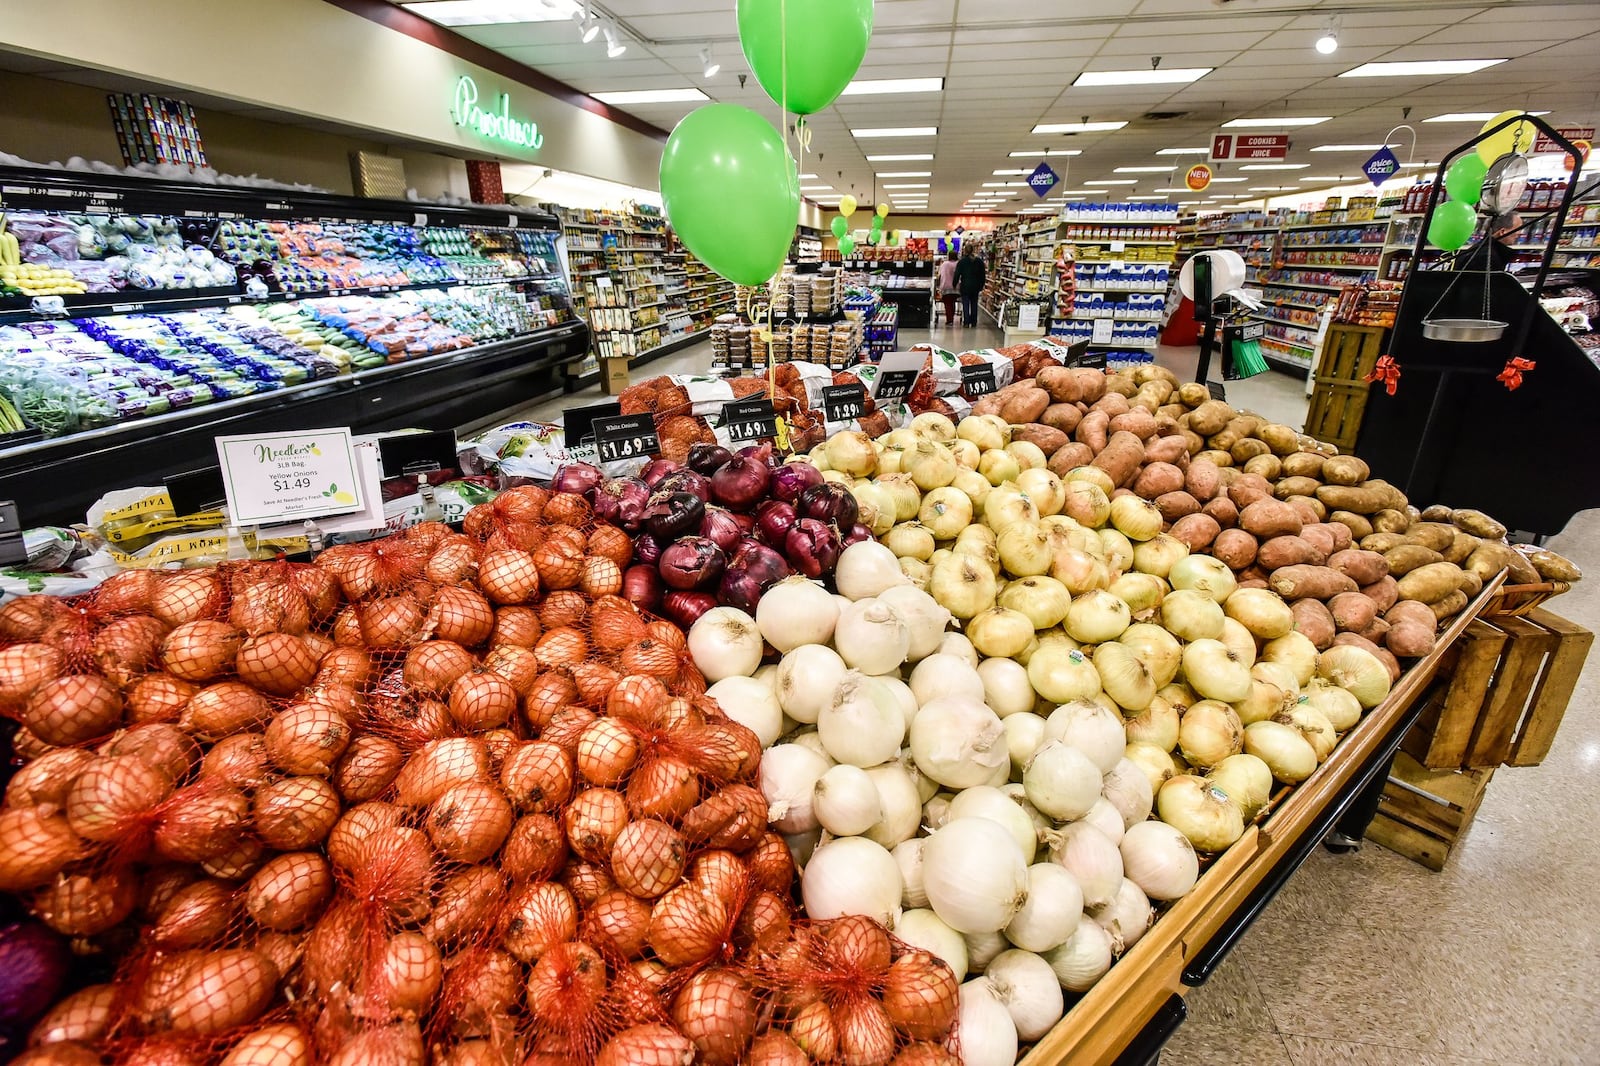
(1228, 146)
(1042, 180)
(274, 477)
(496, 123)
(1381, 167)
(1543, 144)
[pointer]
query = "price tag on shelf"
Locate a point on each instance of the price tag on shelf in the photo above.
(750, 419)
(625, 437)
(274, 477)
(1102, 331)
(1028, 316)
(840, 403)
(978, 380)
(897, 376)
(1118, 246)
(577, 427)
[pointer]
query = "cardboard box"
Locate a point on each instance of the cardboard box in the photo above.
(613, 374)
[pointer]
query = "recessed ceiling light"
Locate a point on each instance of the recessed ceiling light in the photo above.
(1185, 151)
(915, 157)
(1032, 153)
(1078, 127)
(906, 174)
(1263, 123)
(1472, 116)
(896, 131)
(651, 96)
(1112, 181)
(1158, 76)
(492, 12)
(1275, 166)
(1145, 170)
(1352, 147)
(893, 85)
(1425, 67)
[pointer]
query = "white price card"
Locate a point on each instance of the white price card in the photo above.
(274, 477)
(1028, 316)
(1119, 246)
(1102, 331)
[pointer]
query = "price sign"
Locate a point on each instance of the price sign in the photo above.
(577, 425)
(897, 376)
(978, 380)
(751, 419)
(1028, 316)
(625, 437)
(1253, 332)
(840, 403)
(273, 477)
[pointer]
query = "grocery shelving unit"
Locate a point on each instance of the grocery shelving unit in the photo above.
(907, 282)
(1004, 244)
(1124, 267)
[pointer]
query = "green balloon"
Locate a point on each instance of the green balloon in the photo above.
(730, 190)
(1465, 177)
(847, 246)
(840, 226)
(1452, 225)
(877, 224)
(816, 53)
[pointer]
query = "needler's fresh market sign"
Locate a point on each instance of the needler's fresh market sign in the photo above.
(495, 124)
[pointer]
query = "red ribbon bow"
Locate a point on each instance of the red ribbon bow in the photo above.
(1387, 371)
(1511, 375)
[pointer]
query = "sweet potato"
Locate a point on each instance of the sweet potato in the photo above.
(1430, 583)
(1391, 520)
(1210, 417)
(1175, 505)
(1139, 422)
(1121, 457)
(1303, 464)
(1432, 535)
(1315, 582)
(1248, 448)
(1158, 478)
(1062, 416)
(1358, 525)
(1112, 403)
(1388, 660)
(1270, 518)
(1287, 551)
(1551, 566)
(1172, 449)
(1025, 407)
(1308, 508)
(1252, 583)
(1384, 592)
(1478, 524)
(1452, 604)
(1091, 383)
(1201, 479)
(1410, 640)
(1373, 630)
(1408, 557)
(1061, 383)
(1461, 547)
(1198, 531)
(1340, 533)
(1268, 466)
(1235, 547)
(1352, 611)
(1223, 510)
(1363, 567)
(1317, 535)
(1345, 470)
(1411, 611)
(1069, 456)
(988, 405)
(1247, 489)
(1313, 618)
(1048, 439)
(1092, 430)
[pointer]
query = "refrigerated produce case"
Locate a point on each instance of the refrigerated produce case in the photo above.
(140, 319)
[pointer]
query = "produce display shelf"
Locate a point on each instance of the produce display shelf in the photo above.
(1114, 1021)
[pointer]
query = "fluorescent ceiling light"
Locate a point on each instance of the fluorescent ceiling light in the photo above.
(492, 12)
(1324, 177)
(907, 185)
(1145, 170)
(1418, 69)
(1112, 181)
(1472, 116)
(1030, 153)
(1272, 188)
(1158, 76)
(1084, 192)
(1352, 147)
(1191, 203)
(651, 96)
(1173, 188)
(1078, 127)
(803, 177)
(1018, 170)
(1185, 151)
(1005, 185)
(1149, 197)
(1275, 166)
(1227, 181)
(906, 174)
(893, 85)
(915, 157)
(896, 131)
(816, 188)
(1267, 123)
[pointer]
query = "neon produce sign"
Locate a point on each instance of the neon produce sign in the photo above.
(496, 124)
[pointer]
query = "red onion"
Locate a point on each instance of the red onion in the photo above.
(747, 522)
(774, 519)
(576, 477)
(812, 547)
(706, 459)
(756, 569)
(829, 502)
(856, 535)
(691, 562)
(791, 479)
(742, 483)
(721, 528)
(656, 469)
(762, 451)
(685, 608)
(685, 481)
(647, 549)
(621, 501)
(33, 967)
(641, 585)
(670, 515)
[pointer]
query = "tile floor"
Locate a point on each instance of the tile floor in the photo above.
(1371, 960)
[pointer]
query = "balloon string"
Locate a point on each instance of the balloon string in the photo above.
(783, 127)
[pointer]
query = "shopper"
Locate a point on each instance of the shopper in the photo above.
(1495, 245)
(970, 275)
(947, 287)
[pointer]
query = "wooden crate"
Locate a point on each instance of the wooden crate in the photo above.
(1510, 684)
(1339, 397)
(1424, 813)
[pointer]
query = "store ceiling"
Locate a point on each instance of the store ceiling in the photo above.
(1008, 65)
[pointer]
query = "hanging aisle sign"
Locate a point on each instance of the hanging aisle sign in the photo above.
(496, 124)
(1381, 167)
(1230, 146)
(1042, 180)
(1198, 178)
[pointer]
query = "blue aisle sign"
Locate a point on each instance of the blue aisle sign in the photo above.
(1381, 167)
(1042, 180)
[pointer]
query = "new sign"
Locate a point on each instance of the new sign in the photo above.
(1042, 180)
(1226, 147)
(495, 124)
(1381, 167)
(1198, 178)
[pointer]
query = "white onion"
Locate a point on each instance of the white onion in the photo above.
(1061, 673)
(788, 774)
(1006, 688)
(1106, 818)
(963, 585)
(957, 743)
(908, 856)
(959, 646)
(1205, 574)
(1126, 917)
(872, 637)
(1052, 912)
(985, 801)
(1061, 781)
(1191, 615)
(984, 948)
(751, 703)
(936, 812)
(1044, 600)
(926, 786)
(1295, 651)
(1159, 860)
(1210, 732)
(864, 724)
(724, 642)
(946, 676)
(903, 697)
(921, 928)
(1091, 858)
(845, 801)
(865, 569)
(988, 1036)
(802, 845)
(1286, 752)
(1028, 988)
(1246, 780)
(975, 875)
(1097, 616)
(1092, 729)
(1157, 724)
(1000, 632)
(811, 741)
(1212, 670)
(807, 678)
(1083, 959)
(796, 611)
(1024, 737)
(1126, 788)
(923, 617)
(851, 875)
(1339, 706)
(1204, 814)
(1357, 671)
(1124, 675)
(902, 806)
(1015, 791)
(1155, 762)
